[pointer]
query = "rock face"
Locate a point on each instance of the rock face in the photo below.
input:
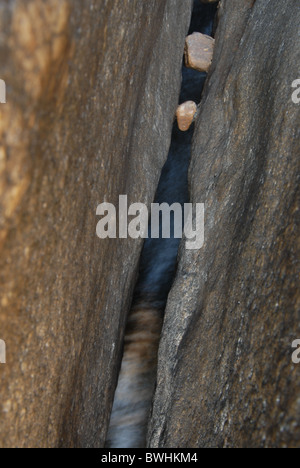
(226, 376)
(92, 89)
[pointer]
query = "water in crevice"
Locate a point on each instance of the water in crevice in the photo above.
(134, 393)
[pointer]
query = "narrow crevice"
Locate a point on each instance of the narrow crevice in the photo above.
(133, 398)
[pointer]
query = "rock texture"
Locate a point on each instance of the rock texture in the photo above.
(226, 376)
(92, 88)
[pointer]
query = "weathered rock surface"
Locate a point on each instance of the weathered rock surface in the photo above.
(226, 376)
(92, 89)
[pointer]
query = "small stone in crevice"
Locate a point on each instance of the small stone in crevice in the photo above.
(199, 50)
(186, 114)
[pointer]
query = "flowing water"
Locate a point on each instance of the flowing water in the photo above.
(136, 384)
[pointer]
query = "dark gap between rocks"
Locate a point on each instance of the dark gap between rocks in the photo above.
(133, 398)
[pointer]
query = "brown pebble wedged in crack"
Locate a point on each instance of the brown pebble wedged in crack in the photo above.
(185, 115)
(199, 50)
